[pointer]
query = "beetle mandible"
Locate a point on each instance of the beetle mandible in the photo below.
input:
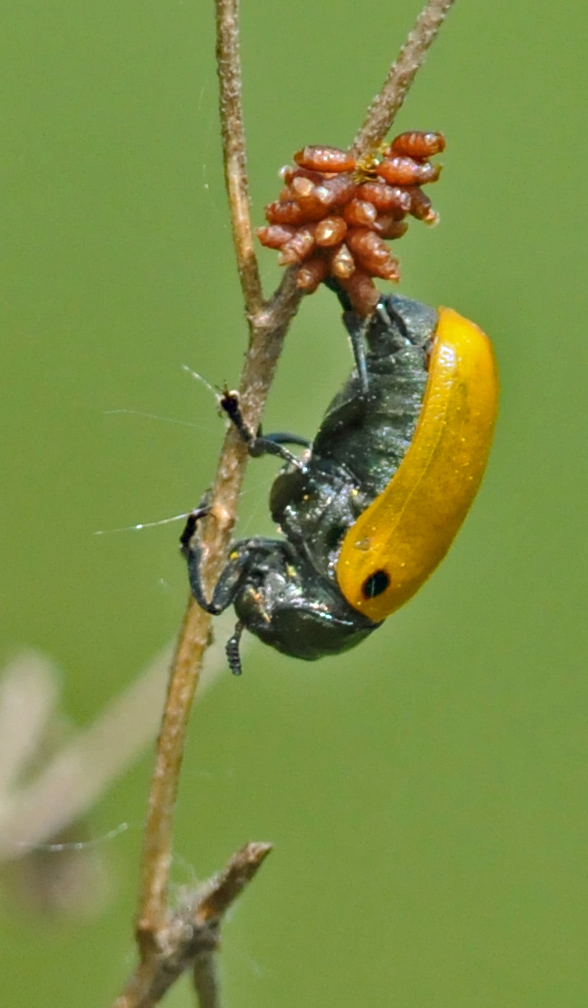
(373, 504)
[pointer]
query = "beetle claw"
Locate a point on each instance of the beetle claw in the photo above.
(190, 527)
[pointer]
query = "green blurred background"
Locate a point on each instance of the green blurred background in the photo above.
(426, 793)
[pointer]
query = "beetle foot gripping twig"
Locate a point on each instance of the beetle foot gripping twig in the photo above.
(190, 527)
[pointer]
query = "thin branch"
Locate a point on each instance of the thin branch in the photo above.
(157, 846)
(206, 981)
(222, 890)
(268, 324)
(193, 936)
(222, 893)
(268, 331)
(228, 63)
(382, 111)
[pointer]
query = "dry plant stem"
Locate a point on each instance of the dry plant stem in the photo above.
(233, 138)
(267, 325)
(382, 111)
(268, 331)
(221, 893)
(193, 935)
(157, 847)
(206, 982)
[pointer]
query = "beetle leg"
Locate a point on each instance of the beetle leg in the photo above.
(383, 313)
(393, 322)
(262, 445)
(232, 649)
(259, 444)
(229, 402)
(226, 587)
(344, 300)
(285, 437)
(190, 527)
(356, 329)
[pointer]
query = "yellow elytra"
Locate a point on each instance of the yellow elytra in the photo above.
(400, 538)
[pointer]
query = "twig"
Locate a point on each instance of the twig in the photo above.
(192, 937)
(268, 324)
(268, 331)
(382, 111)
(228, 63)
(222, 893)
(206, 981)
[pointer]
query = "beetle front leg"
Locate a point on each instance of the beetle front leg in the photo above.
(260, 444)
(227, 585)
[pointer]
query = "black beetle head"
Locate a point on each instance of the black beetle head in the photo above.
(287, 604)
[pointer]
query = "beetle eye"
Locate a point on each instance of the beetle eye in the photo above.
(376, 584)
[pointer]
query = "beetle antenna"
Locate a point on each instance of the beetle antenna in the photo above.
(232, 649)
(143, 525)
(152, 416)
(198, 377)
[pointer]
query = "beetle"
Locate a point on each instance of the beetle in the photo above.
(373, 504)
